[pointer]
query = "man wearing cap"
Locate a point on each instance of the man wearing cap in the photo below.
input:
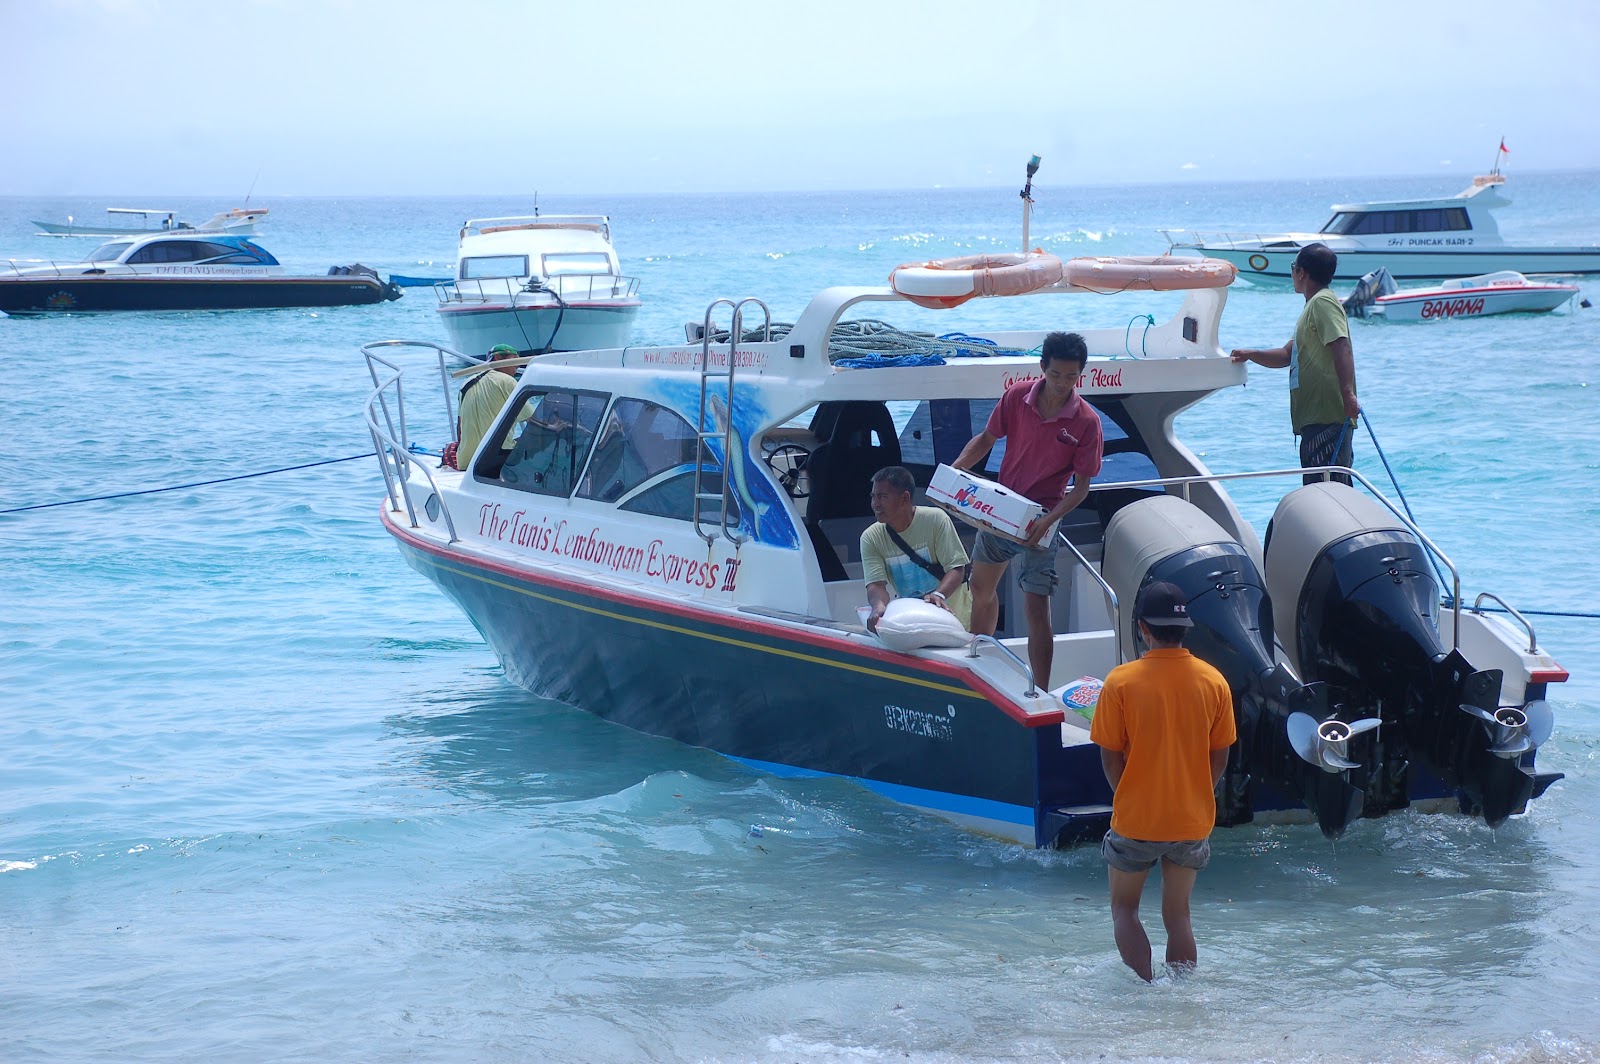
(1164, 725)
(482, 398)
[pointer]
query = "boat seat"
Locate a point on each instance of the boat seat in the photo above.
(860, 442)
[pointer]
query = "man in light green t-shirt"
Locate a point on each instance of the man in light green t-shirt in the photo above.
(482, 399)
(891, 573)
(1322, 371)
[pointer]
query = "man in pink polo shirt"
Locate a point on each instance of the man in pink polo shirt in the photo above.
(1052, 437)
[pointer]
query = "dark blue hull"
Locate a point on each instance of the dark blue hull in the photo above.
(93, 294)
(922, 732)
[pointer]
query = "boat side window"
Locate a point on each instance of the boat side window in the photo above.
(168, 251)
(483, 267)
(576, 262)
(554, 432)
(673, 497)
(638, 441)
(108, 252)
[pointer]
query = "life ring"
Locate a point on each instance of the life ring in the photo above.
(1258, 262)
(1152, 273)
(945, 283)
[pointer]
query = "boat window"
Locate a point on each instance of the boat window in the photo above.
(169, 251)
(554, 432)
(576, 262)
(674, 498)
(1456, 219)
(485, 266)
(638, 441)
(108, 252)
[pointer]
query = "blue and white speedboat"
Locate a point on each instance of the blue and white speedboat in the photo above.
(539, 283)
(181, 271)
(667, 537)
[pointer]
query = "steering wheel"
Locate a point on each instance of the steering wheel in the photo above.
(788, 461)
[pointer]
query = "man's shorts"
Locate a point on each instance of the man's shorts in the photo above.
(1038, 573)
(1136, 855)
(1325, 445)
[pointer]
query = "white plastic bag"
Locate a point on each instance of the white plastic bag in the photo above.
(910, 623)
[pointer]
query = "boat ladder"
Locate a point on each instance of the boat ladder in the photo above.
(702, 497)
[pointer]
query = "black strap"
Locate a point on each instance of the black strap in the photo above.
(934, 568)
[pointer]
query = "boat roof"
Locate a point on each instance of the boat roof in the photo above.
(1486, 186)
(595, 223)
(140, 210)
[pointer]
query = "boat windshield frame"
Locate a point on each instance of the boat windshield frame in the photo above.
(109, 252)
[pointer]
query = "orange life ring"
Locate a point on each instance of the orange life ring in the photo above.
(945, 283)
(1152, 273)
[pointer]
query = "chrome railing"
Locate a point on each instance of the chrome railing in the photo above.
(1477, 607)
(386, 422)
(1024, 667)
(584, 286)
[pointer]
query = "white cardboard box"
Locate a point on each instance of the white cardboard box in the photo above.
(984, 503)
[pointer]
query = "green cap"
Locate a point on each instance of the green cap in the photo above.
(502, 349)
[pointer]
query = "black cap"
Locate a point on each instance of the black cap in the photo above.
(1162, 603)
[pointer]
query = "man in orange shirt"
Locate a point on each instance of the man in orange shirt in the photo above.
(1164, 725)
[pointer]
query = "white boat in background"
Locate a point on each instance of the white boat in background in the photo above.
(241, 221)
(1503, 292)
(539, 283)
(1425, 239)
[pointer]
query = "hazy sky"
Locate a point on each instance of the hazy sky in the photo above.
(480, 97)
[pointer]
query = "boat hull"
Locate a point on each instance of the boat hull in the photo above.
(93, 294)
(474, 327)
(1274, 263)
(1444, 304)
(921, 732)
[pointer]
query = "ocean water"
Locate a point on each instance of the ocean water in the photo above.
(264, 793)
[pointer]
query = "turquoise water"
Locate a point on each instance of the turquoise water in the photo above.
(264, 793)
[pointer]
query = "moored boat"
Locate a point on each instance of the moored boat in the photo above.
(1415, 240)
(241, 221)
(1505, 292)
(539, 283)
(668, 537)
(181, 272)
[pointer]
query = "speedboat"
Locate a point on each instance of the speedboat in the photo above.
(668, 537)
(1425, 239)
(241, 221)
(181, 272)
(538, 283)
(1504, 292)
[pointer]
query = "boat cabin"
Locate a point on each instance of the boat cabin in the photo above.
(569, 255)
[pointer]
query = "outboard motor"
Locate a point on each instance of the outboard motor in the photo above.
(1367, 290)
(1353, 587)
(1166, 538)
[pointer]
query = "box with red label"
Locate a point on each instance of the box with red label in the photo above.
(984, 503)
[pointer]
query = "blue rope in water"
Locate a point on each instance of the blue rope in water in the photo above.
(196, 484)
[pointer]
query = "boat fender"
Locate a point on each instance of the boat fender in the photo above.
(944, 283)
(910, 624)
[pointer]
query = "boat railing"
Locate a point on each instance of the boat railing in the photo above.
(1477, 607)
(1114, 609)
(386, 421)
(1027, 670)
(1183, 484)
(1194, 238)
(584, 286)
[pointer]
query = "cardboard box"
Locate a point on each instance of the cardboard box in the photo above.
(984, 503)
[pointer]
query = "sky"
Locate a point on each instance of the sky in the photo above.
(489, 97)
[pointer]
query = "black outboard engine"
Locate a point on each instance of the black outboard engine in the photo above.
(1354, 589)
(1367, 290)
(1166, 538)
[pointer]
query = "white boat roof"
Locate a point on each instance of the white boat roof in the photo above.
(140, 210)
(595, 223)
(1487, 186)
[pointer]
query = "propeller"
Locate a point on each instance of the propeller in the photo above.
(1515, 730)
(1326, 745)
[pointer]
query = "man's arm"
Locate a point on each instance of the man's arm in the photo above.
(1069, 502)
(1344, 364)
(1113, 762)
(974, 451)
(1270, 357)
(1219, 762)
(878, 599)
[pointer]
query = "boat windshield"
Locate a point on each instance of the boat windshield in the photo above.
(484, 267)
(108, 252)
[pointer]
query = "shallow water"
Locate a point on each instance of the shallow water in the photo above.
(264, 793)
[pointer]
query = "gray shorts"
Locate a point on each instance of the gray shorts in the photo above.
(1038, 573)
(1136, 855)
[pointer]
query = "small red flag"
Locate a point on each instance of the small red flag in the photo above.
(1503, 146)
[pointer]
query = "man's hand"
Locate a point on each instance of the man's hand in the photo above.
(873, 618)
(449, 456)
(937, 599)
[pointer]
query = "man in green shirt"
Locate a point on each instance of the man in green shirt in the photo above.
(936, 574)
(1322, 370)
(482, 398)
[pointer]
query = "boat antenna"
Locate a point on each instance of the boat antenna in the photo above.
(1027, 199)
(536, 203)
(253, 181)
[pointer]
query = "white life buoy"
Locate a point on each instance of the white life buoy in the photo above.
(944, 283)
